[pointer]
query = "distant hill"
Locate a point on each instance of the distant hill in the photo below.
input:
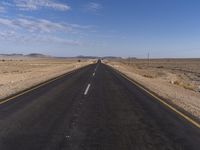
(12, 55)
(96, 57)
(37, 55)
(87, 57)
(111, 57)
(32, 55)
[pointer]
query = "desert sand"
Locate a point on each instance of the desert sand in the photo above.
(21, 73)
(175, 80)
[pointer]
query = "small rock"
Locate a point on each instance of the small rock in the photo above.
(198, 89)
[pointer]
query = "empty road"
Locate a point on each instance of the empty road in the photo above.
(93, 108)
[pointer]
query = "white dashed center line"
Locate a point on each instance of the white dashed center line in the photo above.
(87, 89)
(96, 68)
(93, 74)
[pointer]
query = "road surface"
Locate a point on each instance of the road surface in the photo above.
(93, 108)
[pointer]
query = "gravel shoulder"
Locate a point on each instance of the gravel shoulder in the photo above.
(170, 82)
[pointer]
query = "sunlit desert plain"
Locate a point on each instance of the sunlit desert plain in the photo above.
(175, 80)
(20, 73)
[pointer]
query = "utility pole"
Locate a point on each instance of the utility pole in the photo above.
(148, 57)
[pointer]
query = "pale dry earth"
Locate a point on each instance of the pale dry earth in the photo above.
(176, 80)
(21, 73)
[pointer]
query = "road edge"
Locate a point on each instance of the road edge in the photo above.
(34, 87)
(180, 112)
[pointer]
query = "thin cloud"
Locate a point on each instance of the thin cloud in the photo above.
(59, 40)
(2, 9)
(40, 25)
(49, 39)
(81, 26)
(27, 5)
(38, 38)
(39, 31)
(6, 34)
(93, 7)
(7, 23)
(7, 4)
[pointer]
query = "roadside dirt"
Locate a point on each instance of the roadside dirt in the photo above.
(175, 80)
(19, 74)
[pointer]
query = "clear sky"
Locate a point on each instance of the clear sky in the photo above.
(127, 28)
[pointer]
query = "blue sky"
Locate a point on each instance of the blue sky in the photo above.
(127, 28)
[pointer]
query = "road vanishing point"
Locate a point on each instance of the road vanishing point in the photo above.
(92, 108)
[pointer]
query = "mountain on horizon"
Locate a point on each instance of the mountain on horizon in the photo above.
(38, 55)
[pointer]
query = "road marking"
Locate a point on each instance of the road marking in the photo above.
(93, 74)
(37, 86)
(87, 89)
(192, 121)
(96, 68)
(67, 137)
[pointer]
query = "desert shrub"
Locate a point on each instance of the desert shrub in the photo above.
(160, 67)
(188, 86)
(184, 85)
(139, 67)
(147, 76)
(198, 89)
(177, 82)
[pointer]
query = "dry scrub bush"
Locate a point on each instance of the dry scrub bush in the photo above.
(147, 76)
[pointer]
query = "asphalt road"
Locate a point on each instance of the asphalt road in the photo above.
(94, 108)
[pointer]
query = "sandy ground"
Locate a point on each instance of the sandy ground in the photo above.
(175, 80)
(19, 74)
